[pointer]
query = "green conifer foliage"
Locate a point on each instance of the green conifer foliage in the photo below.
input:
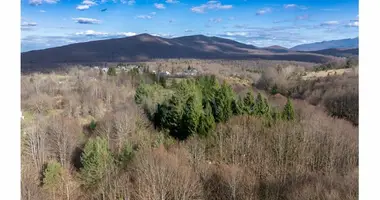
(249, 103)
(206, 121)
(96, 159)
(190, 119)
(288, 112)
(52, 175)
(223, 103)
(238, 106)
(111, 71)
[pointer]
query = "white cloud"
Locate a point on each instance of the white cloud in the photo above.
(89, 3)
(42, 11)
(210, 5)
(215, 20)
(236, 33)
(39, 2)
(90, 33)
(144, 17)
(82, 7)
(159, 6)
(86, 4)
(127, 34)
(51, 1)
(28, 24)
(166, 35)
(86, 20)
(329, 23)
(290, 5)
(171, 1)
(263, 11)
(303, 17)
(35, 2)
(129, 2)
(354, 23)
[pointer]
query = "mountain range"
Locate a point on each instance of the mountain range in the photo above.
(336, 44)
(145, 47)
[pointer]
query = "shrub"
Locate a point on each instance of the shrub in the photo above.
(274, 89)
(92, 125)
(111, 71)
(53, 175)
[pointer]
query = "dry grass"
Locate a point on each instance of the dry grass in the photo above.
(331, 72)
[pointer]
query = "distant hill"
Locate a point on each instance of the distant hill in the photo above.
(338, 52)
(145, 47)
(277, 49)
(332, 44)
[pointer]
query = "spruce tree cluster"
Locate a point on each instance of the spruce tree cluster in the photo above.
(198, 104)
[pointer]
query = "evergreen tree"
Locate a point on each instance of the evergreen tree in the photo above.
(111, 71)
(190, 118)
(53, 175)
(238, 106)
(206, 121)
(274, 89)
(258, 108)
(249, 103)
(96, 159)
(276, 115)
(223, 103)
(288, 112)
(172, 115)
(126, 154)
(141, 93)
(92, 125)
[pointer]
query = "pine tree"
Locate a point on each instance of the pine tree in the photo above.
(126, 154)
(206, 121)
(190, 118)
(172, 115)
(141, 93)
(223, 103)
(53, 175)
(96, 159)
(288, 112)
(238, 106)
(258, 108)
(249, 103)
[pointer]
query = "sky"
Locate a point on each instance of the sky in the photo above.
(51, 23)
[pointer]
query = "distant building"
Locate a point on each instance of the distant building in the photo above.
(189, 72)
(165, 73)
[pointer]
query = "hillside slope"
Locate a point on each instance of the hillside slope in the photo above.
(145, 47)
(332, 44)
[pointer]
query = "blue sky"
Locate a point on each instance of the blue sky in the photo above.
(50, 23)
